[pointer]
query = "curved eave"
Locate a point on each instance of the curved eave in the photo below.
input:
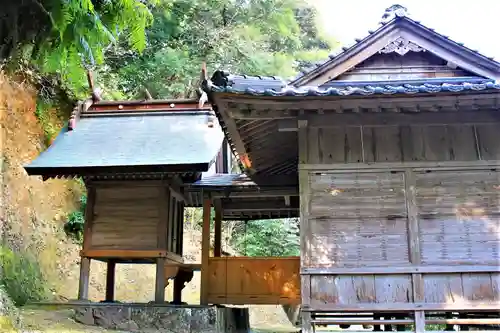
(147, 171)
(362, 91)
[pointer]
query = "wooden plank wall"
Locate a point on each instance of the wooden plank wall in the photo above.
(395, 234)
(128, 217)
(434, 143)
(393, 66)
(245, 280)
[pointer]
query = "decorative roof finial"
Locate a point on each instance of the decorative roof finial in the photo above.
(394, 11)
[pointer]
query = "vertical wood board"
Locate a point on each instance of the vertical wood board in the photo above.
(126, 218)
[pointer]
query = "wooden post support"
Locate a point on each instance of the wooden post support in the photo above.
(205, 251)
(160, 280)
(89, 217)
(83, 286)
(307, 326)
(419, 321)
(110, 281)
(164, 206)
(218, 229)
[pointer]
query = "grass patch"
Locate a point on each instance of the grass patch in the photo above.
(43, 113)
(76, 220)
(22, 276)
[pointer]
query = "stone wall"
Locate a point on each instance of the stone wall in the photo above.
(169, 319)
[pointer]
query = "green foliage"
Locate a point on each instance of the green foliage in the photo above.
(260, 37)
(66, 36)
(22, 277)
(268, 238)
(76, 220)
(42, 113)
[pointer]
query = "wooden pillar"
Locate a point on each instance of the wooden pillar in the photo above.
(205, 251)
(307, 326)
(110, 281)
(225, 157)
(163, 240)
(218, 230)
(83, 286)
(160, 280)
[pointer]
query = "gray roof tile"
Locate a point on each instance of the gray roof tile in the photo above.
(160, 139)
(369, 89)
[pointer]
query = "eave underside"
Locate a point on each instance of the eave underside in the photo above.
(267, 126)
(249, 202)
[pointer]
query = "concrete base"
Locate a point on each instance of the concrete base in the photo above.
(163, 318)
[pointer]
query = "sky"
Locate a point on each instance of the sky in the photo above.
(474, 23)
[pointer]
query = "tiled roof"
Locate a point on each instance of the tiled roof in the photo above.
(242, 82)
(142, 140)
(347, 47)
(371, 89)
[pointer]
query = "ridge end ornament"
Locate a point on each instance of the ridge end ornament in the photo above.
(401, 46)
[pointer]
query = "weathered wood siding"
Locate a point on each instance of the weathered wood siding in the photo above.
(393, 66)
(459, 216)
(361, 291)
(129, 217)
(357, 220)
(244, 280)
(369, 144)
(381, 233)
(126, 218)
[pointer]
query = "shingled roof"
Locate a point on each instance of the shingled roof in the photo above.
(133, 137)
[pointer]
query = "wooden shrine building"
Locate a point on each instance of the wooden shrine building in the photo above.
(387, 152)
(393, 146)
(134, 157)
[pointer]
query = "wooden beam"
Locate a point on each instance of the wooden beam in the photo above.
(164, 211)
(236, 140)
(269, 108)
(205, 251)
(110, 281)
(419, 321)
(130, 254)
(397, 307)
(218, 229)
(180, 230)
(89, 217)
(225, 156)
(271, 204)
(413, 235)
(305, 253)
(400, 166)
(329, 120)
(83, 284)
(160, 280)
(257, 192)
(396, 270)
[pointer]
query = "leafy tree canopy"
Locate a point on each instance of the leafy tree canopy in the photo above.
(265, 37)
(66, 36)
(268, 238)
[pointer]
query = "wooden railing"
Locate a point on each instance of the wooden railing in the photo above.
(254, 280)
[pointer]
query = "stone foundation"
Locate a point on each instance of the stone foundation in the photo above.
(169, 319)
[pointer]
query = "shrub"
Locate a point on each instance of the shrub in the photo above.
(22, 276)
(76, 220)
